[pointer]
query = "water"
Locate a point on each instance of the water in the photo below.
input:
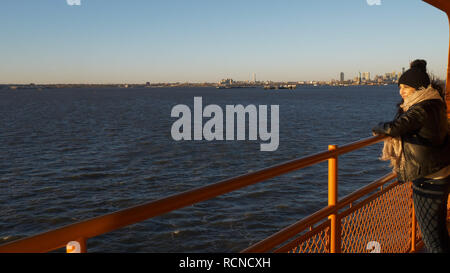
(71, 154)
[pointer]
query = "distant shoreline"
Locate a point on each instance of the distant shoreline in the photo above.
(190, 85)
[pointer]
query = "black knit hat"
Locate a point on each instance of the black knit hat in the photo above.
(416, 76)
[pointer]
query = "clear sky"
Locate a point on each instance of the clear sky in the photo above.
(135, 41)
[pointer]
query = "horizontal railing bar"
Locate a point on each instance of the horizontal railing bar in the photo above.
(365, 190)
(359, 144)
(290, 245)
(292, 230)
(369, 199)
(57, 238)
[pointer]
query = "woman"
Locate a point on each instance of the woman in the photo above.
(419, 151)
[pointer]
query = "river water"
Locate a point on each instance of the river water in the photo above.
(71, 154)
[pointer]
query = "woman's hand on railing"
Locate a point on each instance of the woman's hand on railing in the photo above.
(378, 130)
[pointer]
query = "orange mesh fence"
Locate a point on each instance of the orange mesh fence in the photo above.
(381, 222)
(384, 220)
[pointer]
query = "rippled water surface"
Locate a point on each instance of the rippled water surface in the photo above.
(72, 154)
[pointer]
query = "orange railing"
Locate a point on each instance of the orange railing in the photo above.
(84, 230)
(383, 222)
(337, 233)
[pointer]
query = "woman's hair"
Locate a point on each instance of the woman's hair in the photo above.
(439, 85)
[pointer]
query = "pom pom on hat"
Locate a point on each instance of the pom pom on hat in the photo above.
(419, 64)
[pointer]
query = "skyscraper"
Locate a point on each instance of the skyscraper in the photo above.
(366, 76)
(342, 77)
(254, 77)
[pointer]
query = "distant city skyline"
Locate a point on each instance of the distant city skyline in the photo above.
(339, 77)
(51, 42)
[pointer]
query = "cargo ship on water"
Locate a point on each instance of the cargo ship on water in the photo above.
(378, 217)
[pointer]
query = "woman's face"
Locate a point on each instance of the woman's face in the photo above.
(406, 91)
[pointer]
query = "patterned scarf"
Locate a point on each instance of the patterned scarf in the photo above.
(392, 149)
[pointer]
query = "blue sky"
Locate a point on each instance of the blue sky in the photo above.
(135, 41)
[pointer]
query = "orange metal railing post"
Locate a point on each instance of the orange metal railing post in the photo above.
(335, 231)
